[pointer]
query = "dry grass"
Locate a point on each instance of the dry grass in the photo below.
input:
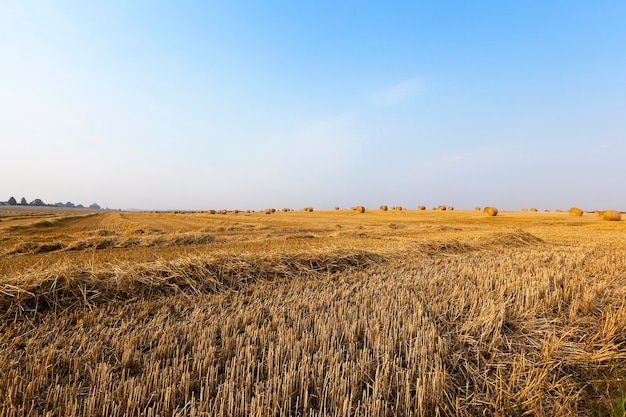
(314, 314)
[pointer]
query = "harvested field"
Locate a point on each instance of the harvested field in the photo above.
(320, 313)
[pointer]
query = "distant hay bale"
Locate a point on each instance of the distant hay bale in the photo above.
(558, 211)
(211, 211)
(610, 215)
(399, 208)
(442, 207)
(524, 209)
(490, 211)
(546, 211)
(421, 207)
(270, 211)
(336, 207)
(596, 211)
(575, 211)
(451, 208)
(285, 210)
(534, 210)
(384, 208)
(477, 208)
(359, 209)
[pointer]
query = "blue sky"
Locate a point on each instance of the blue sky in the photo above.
(225, 104)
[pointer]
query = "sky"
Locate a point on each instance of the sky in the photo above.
(201, 105)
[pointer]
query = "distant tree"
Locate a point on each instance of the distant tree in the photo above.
(69, 204)
(80, 206)
(37, 202)
(94, 206)
(12, 201)
(23, 202)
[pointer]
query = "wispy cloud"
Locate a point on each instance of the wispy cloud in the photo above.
(397, 93)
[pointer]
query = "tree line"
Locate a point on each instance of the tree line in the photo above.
(39, 203)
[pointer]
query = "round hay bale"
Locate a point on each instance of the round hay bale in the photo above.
(490, 211)
(524, 210)
(211, 211)
(269, 210)
(399, 208)
(336, 207)
(610, 215)
(575, 211)
(442, 207)
(384, 208)
(558, 211)
(421, 207)
(534, 210)
(359, 209)
(477, 208)
(450, 208)
(546, 211)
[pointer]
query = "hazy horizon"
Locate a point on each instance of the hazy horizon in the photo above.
(244, 105)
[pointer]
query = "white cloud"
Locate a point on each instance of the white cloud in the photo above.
(396, 94)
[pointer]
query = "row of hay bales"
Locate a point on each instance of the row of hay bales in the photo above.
(229, 211)
(420, 208)
(607, 215)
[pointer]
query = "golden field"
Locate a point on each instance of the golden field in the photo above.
(323, 313)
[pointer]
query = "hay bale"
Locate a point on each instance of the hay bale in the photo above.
(359, 209)
(269, 210)
(450, 208)
(384, 208)
(575, 211)
(534, 210)
(477, 208)
(336, 207)
(558, 211)
(399, 208)
(546, 211)
(490, 211)
(610, 215)
(421, 207)
(211, 211)
(442, 207)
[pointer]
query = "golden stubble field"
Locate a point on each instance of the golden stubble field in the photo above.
(323, 313)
